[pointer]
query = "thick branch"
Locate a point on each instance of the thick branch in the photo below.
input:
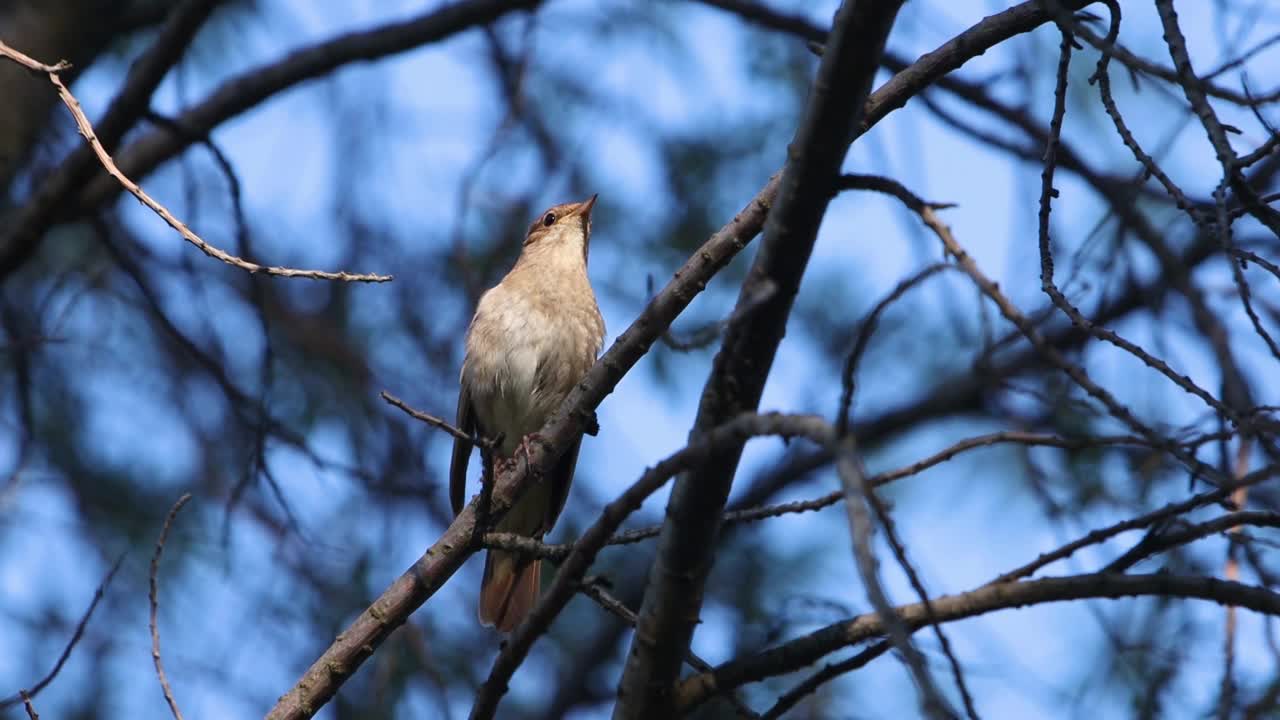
(685, 551)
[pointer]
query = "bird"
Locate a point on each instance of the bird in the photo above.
(533, 337)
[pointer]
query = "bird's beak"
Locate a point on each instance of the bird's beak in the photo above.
(584, 209)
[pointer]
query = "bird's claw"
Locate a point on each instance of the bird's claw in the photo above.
(528, 450)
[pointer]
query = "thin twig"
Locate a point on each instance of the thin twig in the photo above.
(1149, 519)
(865, 329)
(26, 703)
(900, 553)
(86, 129)
(508, 541)
(1160, 540)
(438, 423)
(857, 493)
(1037, 339)
(35, 689)
(155, 605)
(827, 673)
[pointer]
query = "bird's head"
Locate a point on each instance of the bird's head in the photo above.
(562, 227)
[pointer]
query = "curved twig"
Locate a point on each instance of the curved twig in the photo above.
(86, 129)
(154, 597)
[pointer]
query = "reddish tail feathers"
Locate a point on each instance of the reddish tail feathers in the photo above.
(509, 589)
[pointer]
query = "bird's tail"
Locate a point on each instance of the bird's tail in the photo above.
(509, 589)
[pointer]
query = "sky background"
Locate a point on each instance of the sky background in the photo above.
(426, 118)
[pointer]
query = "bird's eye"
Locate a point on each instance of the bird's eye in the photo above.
(549, 219)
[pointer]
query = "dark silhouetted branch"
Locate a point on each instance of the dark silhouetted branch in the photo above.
(803, 651)
(832, 118)
(43, 682)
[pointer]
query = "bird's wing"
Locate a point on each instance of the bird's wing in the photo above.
(461, 451)
(561, 478)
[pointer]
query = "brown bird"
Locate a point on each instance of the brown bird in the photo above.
(533, 337)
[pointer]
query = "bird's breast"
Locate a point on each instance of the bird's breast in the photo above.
(524, 354)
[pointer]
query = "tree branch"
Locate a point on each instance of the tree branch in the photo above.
(86, 130)
(831, 121)
(798, 653)
(25, 229)
(33, 690)
(857, 493)
(154, 597)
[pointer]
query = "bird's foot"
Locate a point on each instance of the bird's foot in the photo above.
(526, 447)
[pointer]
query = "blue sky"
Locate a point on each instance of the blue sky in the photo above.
(962, 522)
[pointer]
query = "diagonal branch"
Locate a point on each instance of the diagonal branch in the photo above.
(91, 137)
(22, 695)
(23, 231)
(857, 494)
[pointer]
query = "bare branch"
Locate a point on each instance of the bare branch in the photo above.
(154, 597)
(826, 674)
(865, 330)
(831, 120)
(802, 651)
(752, 514)
(1037, 338)
(26, 704)
(86, 129)
(1158, 542)
(23, 232)
(43, 682)
(857, 492)
(593, 587)
(436, 422)
(1170, 510)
